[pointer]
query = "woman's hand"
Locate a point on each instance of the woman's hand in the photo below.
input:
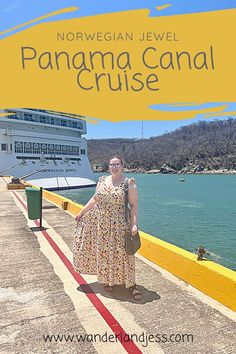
(134, 230)
(78, 217)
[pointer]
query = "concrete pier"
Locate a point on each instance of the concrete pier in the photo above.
(48, 308)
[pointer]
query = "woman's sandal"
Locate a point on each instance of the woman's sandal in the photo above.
(135, 293)
(108, 288)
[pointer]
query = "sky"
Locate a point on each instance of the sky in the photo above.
(16, 12)
(133, 129)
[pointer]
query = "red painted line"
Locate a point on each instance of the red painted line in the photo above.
(129, 346)
(4, 180)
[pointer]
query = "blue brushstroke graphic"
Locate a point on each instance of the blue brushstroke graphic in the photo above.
(16, 12)
(179, 107)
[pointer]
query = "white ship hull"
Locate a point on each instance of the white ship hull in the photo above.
(45, 154)
(55, 175)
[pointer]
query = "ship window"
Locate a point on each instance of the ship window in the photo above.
(75, 150)
(58, 149)
(13, 115)
(19, 146)
(82, 151)
(63, 123)
(42, 119)
(4, 147)
(52, 121)
(28, 148)
(51, 148)
(11, 147)
(28, 117)
(74, 124)
(80, 126)
(36, 148)
(43, 147)
(64, 150)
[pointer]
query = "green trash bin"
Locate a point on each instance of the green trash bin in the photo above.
(34, 203)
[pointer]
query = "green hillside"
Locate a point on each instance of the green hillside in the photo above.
(196, 148)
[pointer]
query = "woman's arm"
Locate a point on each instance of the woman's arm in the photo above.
(133, 202)
(86, 208)
(92, 201)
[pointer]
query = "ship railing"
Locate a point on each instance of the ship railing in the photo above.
(36, 171)
(9, 168)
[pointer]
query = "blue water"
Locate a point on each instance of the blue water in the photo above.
(199, 211)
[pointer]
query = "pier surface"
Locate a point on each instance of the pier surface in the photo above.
(48, 308)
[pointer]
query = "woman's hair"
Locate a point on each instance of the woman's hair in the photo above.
(119, 158)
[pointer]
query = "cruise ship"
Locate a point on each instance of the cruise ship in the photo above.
(45, 148)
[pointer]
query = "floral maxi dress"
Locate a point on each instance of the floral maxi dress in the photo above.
(99, 241)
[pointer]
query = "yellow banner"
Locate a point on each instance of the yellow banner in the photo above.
(117, 66)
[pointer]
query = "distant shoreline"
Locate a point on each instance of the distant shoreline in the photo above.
(158, 172)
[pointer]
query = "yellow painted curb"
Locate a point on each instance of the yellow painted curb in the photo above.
(60, 201)
(211, 278)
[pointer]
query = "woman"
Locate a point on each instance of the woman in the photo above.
(101, 228)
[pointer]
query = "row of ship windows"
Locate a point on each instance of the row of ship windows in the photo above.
(38, 148)
(54, 112)
(46, 120)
